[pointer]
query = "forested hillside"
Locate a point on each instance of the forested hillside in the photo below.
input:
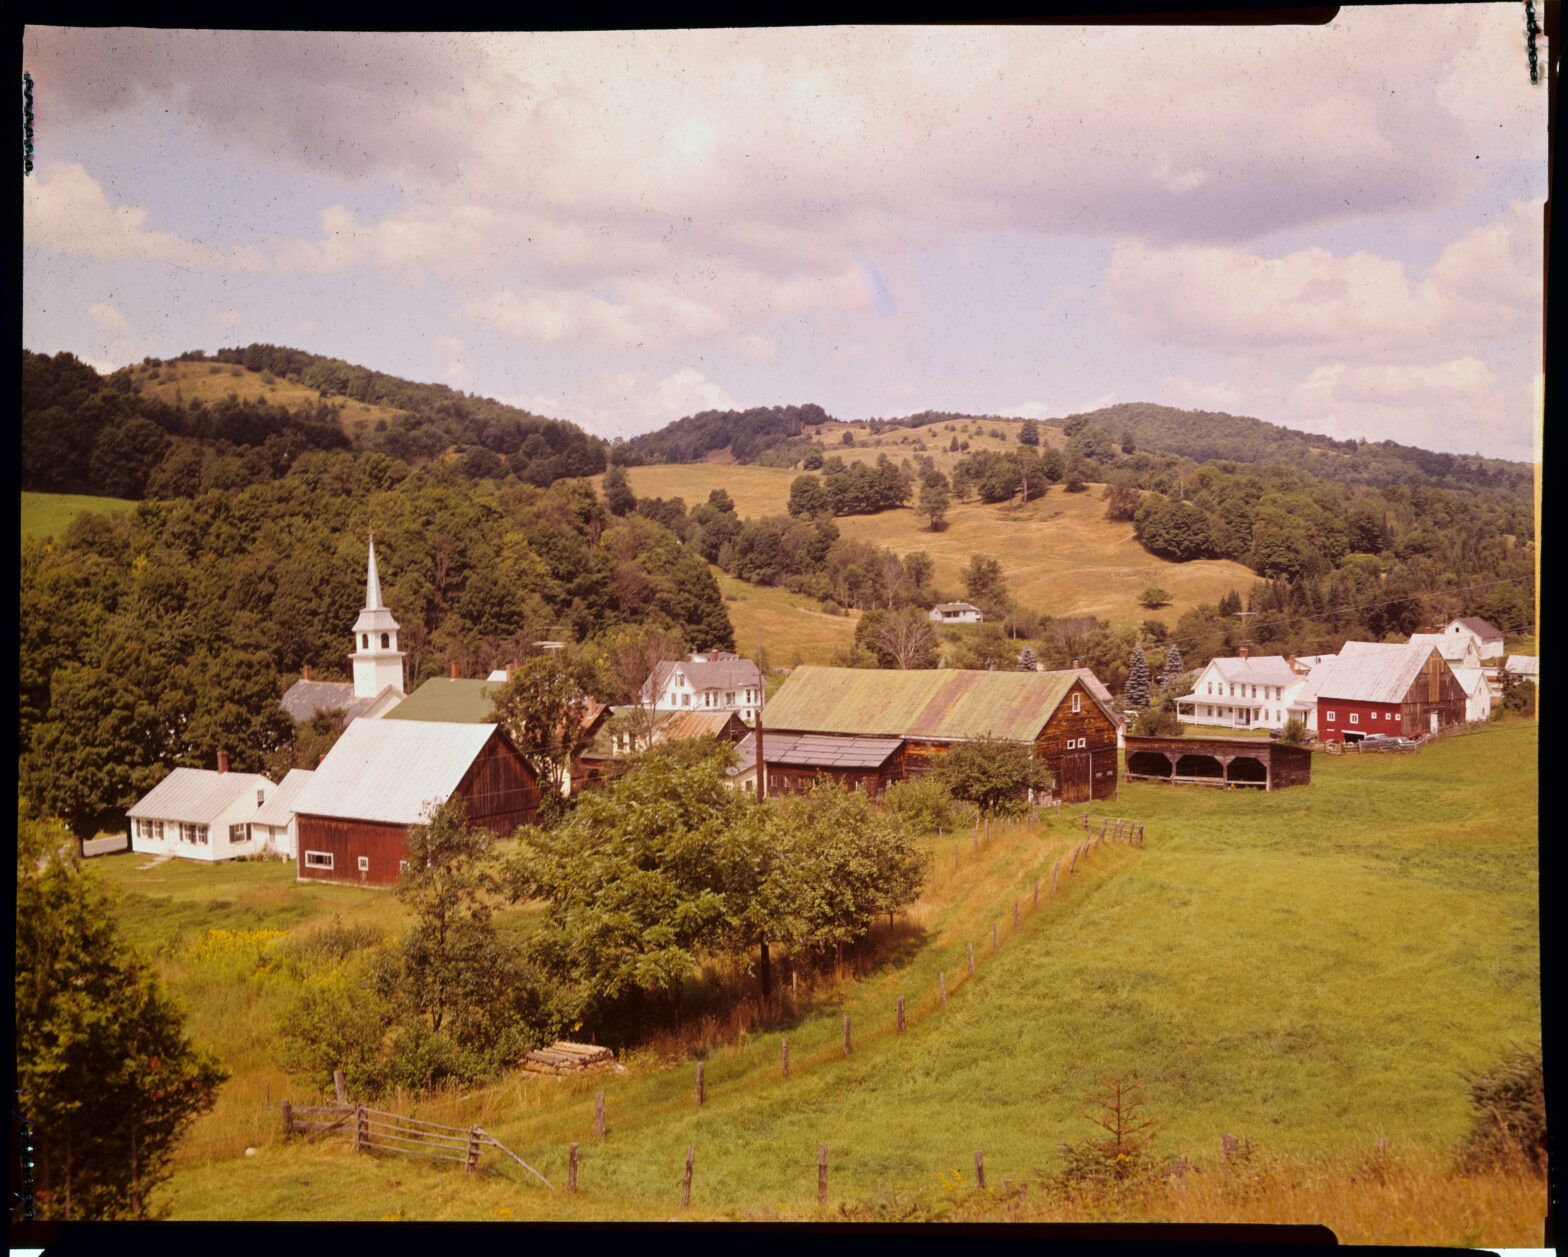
(118, 436)
(158, 636)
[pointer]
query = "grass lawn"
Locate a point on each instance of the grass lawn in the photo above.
(1309, 969)
(47, 515)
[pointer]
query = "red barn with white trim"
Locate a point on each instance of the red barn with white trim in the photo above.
(1394, 690)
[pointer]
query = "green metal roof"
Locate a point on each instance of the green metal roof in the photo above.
(941, 703)
(460, 701)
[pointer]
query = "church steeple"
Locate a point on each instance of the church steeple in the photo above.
(377, 661)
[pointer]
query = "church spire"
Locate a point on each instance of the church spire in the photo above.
(373, 582)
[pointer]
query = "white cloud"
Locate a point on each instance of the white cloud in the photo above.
(622, 403)
(456, 365)
(107, 319)
(65, 210)
(229, 319)
(1189, 394)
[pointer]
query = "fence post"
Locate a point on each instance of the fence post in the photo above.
(1037, 892)
(571, 1171)
(361, 1129)
(786, 1058)
(901, 1014)
(472, 1163)
(846, 1036)
(288, 1118)
(979, 1169)
(1054, 871)
(338, 1088)
(971, 960)
(1015, 914)
(1382, 1147)
(955, 857)
(691, 1153)
(941, 982)
(699, 1084)
(822, 1175)
(268, 1100)
(1228, 1145)
(993, 938)
(598, 1113)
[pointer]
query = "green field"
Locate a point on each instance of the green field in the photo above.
(1059, 553)
(791, 628)
(213, 381)
(1309, 969)
(46, 515)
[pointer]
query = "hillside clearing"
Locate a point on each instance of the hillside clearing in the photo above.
(1309, 969)
(48, 515)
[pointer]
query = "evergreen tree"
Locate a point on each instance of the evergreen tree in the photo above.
(1026, 660)
(618, 495)
(1138, 679)
(1173, 666)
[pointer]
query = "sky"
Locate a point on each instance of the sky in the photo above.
(1337, 228)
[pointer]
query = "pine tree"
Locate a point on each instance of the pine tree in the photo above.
(1173, 666)
(1137, 691)
(1026, 660)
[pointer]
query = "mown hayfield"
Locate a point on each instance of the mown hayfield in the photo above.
(47, 515)
(791, 628)
(213, 381)
(1309, 969)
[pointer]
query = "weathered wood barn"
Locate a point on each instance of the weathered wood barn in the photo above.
(927, 711)
(382, 776)
(1402, 691)
(1218, 761)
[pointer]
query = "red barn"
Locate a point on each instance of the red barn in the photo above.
(384, 775)
(1396, 690)
(1058, 714)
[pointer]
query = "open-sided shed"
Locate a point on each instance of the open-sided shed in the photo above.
(1260, 762)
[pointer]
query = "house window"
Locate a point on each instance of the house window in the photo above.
(1211, 687)
(364, 864)
(1355, 718)
(1076, 706)
(201, 834)
(157, 830)
(729, 699)
(1330, 715)
(318, 859)
(685, 700)
(239, 833)
(261, 797)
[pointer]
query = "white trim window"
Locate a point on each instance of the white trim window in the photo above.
(364, 864)
(1077, 703)
(1355, 717)
(318, 859)
(239, 833)
(1330, 716)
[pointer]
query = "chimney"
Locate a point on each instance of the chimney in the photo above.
(1243, 652)
(1075, 665)
(223, 761)
(511, 668)
(1292, 662)
(307, 672)
(454, 672)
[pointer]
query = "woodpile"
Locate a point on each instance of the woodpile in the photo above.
(568, 1058)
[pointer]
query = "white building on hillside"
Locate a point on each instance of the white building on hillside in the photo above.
(1488, 637)
(1245, 692)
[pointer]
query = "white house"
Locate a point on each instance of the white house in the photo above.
(956, 613)
(1459, 650)
(1488, 637)
(1244, 692)
(1525, 667)
(275, 827)
(713, 680)
(198, 814)
(1478, 694)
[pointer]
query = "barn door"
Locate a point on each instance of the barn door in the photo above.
(1077, 778)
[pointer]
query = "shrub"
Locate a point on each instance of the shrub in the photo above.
(1122, 1154)
(923, 804)
(1509, 1123)
(1295, 733)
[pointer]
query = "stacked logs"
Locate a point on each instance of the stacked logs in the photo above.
(562, 1057)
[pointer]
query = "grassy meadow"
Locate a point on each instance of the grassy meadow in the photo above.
(1310, 970)
(791, 628)
(213, 381)
(47, 515)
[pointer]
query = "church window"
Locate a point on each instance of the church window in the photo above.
(386, 641)
(364, 641)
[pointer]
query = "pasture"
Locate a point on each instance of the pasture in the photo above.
(213, 381)
(47, 515)
(1310, 970)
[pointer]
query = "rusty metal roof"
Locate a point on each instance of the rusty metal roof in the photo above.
(938, 704)
(694, 724)
(827, 750)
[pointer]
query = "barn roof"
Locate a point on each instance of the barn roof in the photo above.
(450, 700)
(1523, 665)
(304, 699)
(941, 703)
(694, 724)
(1473, 680)
(827, 750)
(279, 807)
(196, 795)
(393, 770)
(1374, 672)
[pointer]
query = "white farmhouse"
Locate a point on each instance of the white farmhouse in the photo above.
(1478, 694)
(1488, 637)
(956, 613)
(275, 827)
(198, 814)
(712, 680)
(1245, 692)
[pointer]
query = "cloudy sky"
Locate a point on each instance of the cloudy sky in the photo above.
(1337, 228)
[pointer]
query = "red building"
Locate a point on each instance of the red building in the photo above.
(1394, 690)
(382, 776)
